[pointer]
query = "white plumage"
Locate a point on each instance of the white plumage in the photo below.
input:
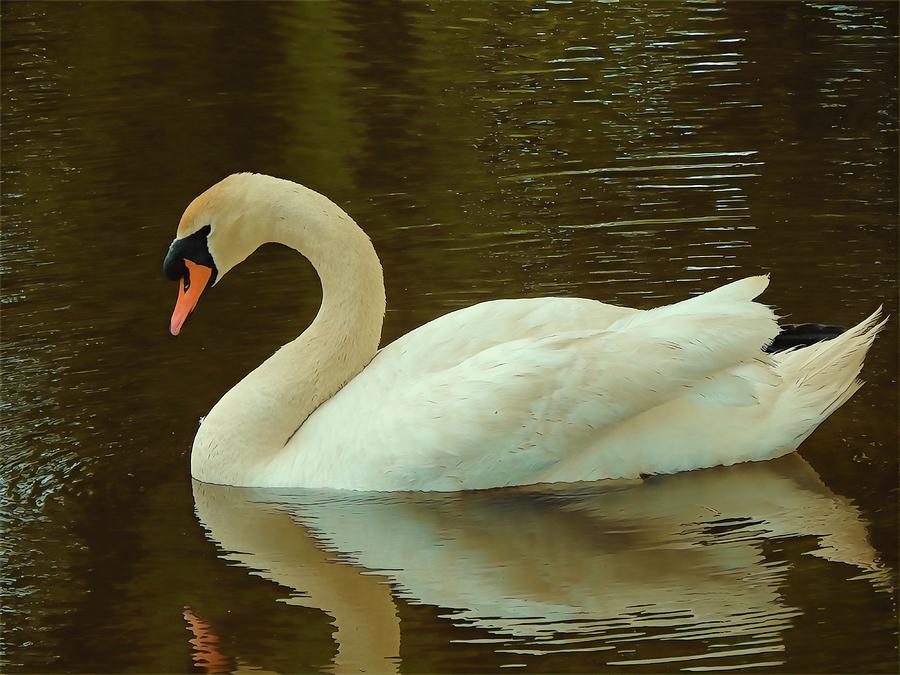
(509, 392)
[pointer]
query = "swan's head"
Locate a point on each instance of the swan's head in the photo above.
(234, 217)
(214, 235)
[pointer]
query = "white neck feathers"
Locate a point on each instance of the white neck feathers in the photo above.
(254, 420)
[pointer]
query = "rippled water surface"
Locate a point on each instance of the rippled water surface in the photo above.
(636, 153)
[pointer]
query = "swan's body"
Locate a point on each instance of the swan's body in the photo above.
(509, 392)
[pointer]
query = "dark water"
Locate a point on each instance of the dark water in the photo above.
(635, 153)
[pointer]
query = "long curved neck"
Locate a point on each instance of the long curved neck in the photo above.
(255, 419)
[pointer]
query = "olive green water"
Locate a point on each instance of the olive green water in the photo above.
(634, 153)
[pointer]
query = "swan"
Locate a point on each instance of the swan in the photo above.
(502, 393)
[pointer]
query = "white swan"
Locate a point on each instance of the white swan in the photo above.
(508, 392)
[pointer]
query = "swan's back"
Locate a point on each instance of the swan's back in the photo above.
(517, 392)
(452, 338)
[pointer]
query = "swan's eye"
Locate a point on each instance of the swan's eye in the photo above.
(195, 248)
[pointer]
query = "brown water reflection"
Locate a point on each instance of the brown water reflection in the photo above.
(631, 153)
(669, 572)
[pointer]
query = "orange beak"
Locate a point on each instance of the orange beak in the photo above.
(196, 280)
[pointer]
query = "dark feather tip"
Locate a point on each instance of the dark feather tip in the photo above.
(802, 335)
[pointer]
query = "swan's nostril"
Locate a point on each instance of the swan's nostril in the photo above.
(189, 296)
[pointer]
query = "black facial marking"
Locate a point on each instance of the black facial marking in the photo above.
(194, 248)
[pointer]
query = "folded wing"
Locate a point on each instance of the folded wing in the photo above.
(512, 411)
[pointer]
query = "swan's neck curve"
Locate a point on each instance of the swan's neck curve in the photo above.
(252, 423)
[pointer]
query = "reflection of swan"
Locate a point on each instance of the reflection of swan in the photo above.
(264, 539)
(510, 392)
(589, 568)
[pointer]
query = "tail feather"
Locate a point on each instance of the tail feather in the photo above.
(803, 335)
(824, 375)
(831, 357)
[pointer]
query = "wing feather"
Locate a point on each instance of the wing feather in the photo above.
(514, 409)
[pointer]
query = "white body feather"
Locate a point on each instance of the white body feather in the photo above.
(553, 390)
(509, 392)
